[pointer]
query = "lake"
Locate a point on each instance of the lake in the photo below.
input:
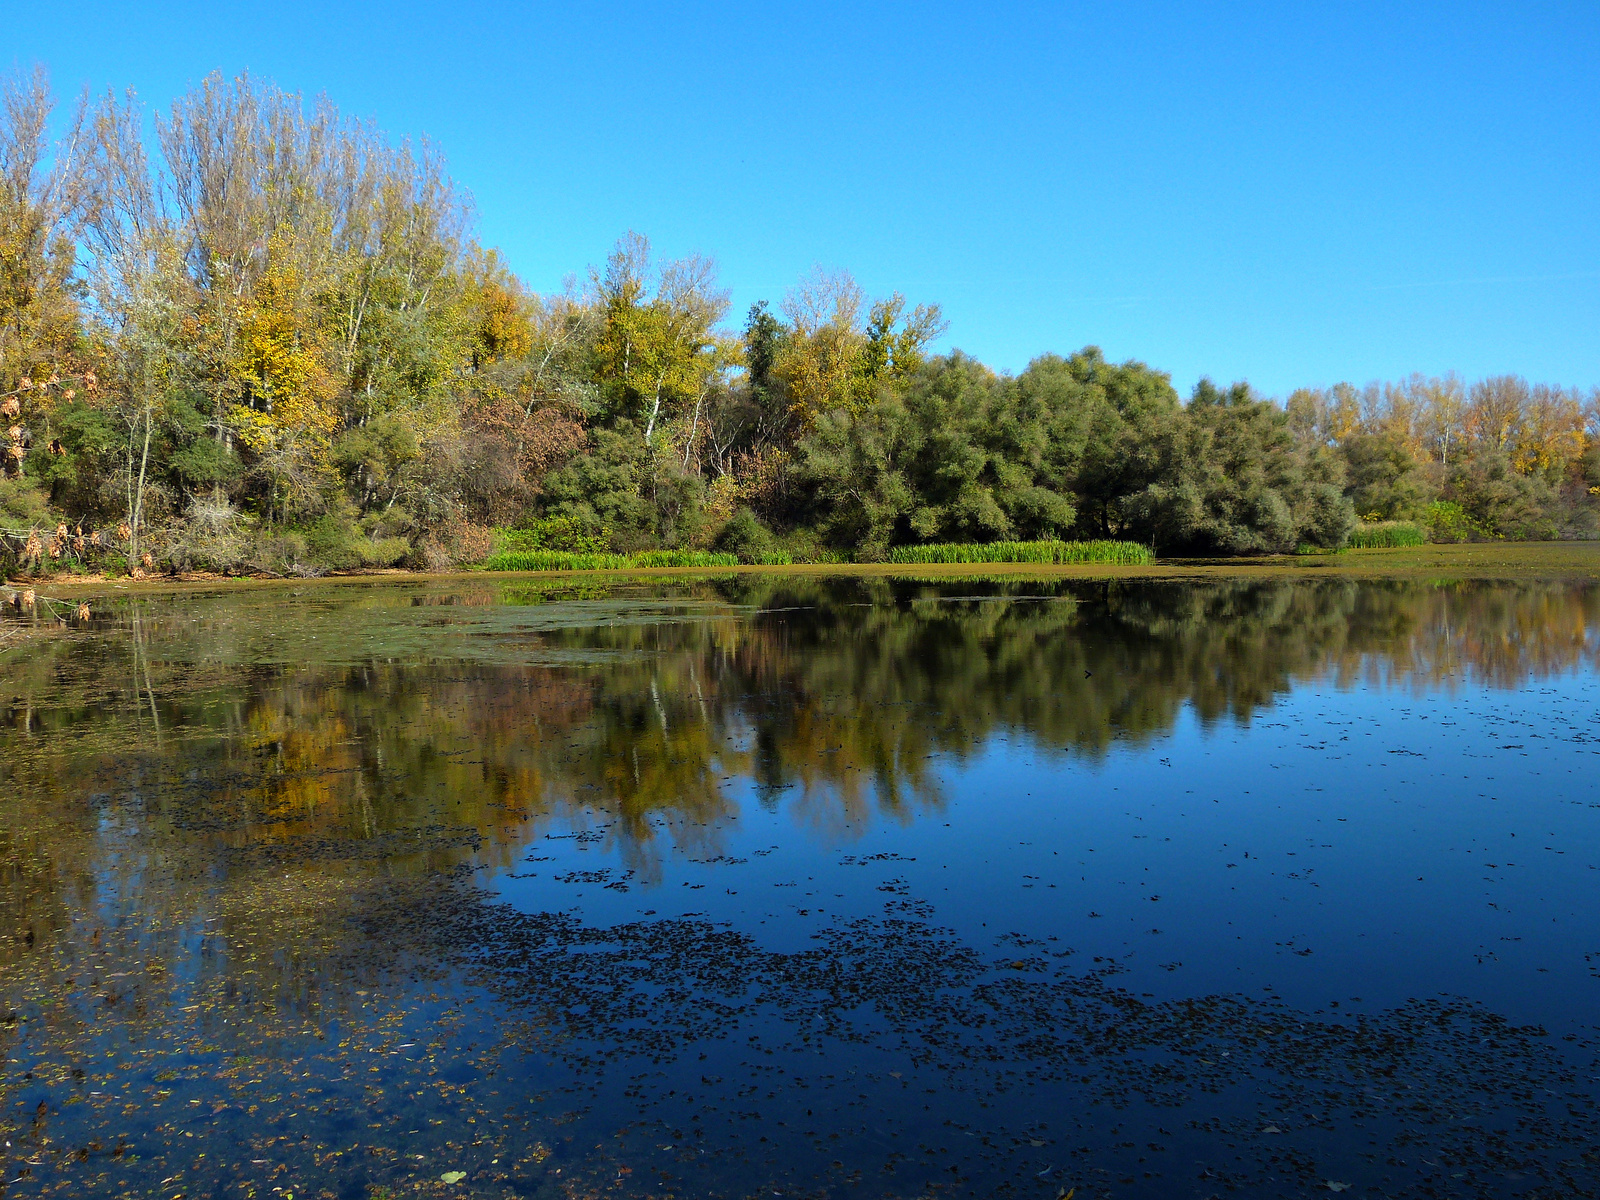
(821, 886)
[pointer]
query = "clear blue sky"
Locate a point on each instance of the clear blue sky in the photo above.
(1285, 193)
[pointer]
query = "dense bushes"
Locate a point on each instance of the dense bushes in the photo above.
(1447, 521)
(1232, 479)
(1073, 446)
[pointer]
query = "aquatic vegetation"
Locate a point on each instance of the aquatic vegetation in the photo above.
(1386, 535)
(682, 558)
(562, 560)
(1059, 553)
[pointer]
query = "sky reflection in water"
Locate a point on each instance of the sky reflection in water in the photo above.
(810, 886)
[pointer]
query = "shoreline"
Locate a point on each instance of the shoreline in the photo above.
(1470, 560)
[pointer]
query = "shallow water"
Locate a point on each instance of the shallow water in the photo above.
(806, 887)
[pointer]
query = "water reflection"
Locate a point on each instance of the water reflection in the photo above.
(240, 832)
(322, 716)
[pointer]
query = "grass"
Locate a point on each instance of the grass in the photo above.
(1387, 535)
(565, 560)
(1125, 554)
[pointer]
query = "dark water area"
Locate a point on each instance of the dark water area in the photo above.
(823, 887)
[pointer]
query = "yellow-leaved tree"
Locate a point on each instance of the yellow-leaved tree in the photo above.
(833, 357)
(658, 351)
(285, 413)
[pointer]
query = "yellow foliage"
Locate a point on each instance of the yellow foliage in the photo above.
(722, 497)
(283, 366)
(505, 326)
(819, 370)
(830, 360)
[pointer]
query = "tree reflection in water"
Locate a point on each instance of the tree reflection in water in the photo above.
(240, 829)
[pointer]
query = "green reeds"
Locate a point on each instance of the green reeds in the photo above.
(1387, 535)
(1127, 554)
(1116, 553)
(682, 558)
(564, 560)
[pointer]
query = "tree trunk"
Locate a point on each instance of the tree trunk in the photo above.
(695, 425)
(655, 411)
(138, 506)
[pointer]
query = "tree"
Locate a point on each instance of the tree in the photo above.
(44, 358)
(852, 466)
(1104, 420)
(268, 331)
(1233, 481)
(1385, 480)
(823, 346)
(896, 341)
(831, 359)
(657, 353)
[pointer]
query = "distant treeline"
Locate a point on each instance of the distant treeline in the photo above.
(266, 339)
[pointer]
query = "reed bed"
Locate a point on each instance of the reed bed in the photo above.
(682, 558)
(565, 560)
(1387, 535)
(1116, 553)
(1126, 554)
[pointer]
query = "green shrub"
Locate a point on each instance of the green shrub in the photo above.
(746, 536)
(1118, 553)
(337, 542)
(23, 505)
(803, 546)
(1387, 535)
(570, 534)
(1447, 521)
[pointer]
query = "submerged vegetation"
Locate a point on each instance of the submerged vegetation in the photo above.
(268, 341)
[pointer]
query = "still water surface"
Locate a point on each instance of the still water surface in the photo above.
(806, 887)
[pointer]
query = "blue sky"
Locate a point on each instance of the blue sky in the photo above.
(1285, 193)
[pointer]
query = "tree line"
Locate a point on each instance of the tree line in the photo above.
(256, 334)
